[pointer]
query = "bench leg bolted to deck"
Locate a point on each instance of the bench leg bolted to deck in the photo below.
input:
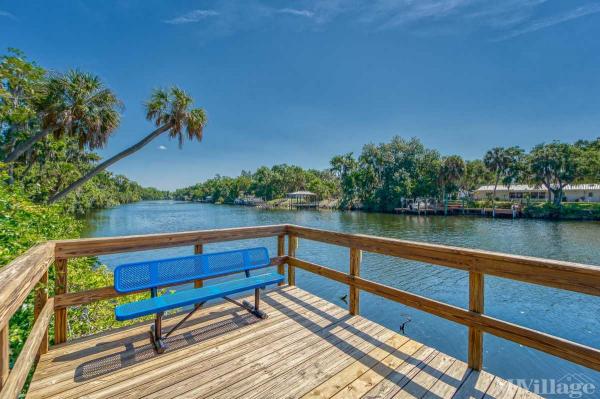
(255, 310)
(156, 333)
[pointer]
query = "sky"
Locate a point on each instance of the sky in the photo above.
(300, 81)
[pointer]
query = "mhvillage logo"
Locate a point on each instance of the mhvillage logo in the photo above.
(571, 386)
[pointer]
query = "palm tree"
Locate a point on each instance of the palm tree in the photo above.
(451, 173)
(170, 111)
(497, 161)
(75, 104)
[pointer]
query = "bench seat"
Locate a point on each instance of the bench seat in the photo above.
(193, 296)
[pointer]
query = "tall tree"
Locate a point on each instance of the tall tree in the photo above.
(476, 175)
(451, 174)
(555, 165)
(75, 104)
(515, 168)
(498, 161)
(171, 112)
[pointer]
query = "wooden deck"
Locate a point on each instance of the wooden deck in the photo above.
(308, 348)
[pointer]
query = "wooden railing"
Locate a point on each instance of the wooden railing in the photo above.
(30, 272)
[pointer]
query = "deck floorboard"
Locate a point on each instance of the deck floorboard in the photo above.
(307, 348)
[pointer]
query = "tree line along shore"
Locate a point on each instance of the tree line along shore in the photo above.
(386, 176)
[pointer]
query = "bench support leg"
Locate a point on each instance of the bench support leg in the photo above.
(156, 333)
(248, 306)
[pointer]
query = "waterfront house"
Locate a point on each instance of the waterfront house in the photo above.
(571, 192)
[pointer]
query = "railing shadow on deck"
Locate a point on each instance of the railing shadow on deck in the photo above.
(403, 381)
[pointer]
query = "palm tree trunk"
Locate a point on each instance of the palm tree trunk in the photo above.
(26, 145)
(134, 148)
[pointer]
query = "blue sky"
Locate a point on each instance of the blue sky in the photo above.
(300, 81)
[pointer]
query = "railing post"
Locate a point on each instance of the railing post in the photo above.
(4, 356)
(60, 287)
(292, 245)
(281, 252)
(476, 304)
(355, 258)
(41, 297)
(198, 249)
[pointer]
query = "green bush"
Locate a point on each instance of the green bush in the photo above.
(22, 225)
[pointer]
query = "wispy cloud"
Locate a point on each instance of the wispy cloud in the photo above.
(192, 16)
(7, 14)
(162, 147)
(493, 19)
(553, 20)
(296, 12)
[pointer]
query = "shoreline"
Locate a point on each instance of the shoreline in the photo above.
(543, 211)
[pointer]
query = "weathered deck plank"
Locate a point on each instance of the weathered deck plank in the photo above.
(307, 348)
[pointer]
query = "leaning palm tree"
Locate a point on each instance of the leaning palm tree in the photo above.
(171, 112)
(75, 104)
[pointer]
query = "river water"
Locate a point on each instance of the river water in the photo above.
(565, 314)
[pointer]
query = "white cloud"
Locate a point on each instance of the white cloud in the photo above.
(162, 147)
(294, 11)
(554, 20)
(192, 16)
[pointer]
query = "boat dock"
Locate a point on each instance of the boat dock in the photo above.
(458, 210)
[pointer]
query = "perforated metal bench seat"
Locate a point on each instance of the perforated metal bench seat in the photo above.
(193, 296)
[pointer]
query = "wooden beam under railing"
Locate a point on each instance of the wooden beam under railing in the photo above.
(110, 245)
(572, 351)
(552, 273)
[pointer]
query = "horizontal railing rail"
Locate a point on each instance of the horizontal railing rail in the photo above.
(552, 273)
(30, 272)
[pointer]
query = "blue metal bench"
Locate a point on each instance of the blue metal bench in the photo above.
(155, 274)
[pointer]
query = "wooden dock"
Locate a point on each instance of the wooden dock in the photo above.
(307, 348)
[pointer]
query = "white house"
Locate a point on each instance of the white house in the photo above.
(571, 192)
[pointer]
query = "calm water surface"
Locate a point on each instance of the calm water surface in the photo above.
(568, 315)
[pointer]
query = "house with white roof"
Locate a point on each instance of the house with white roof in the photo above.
(571, 192)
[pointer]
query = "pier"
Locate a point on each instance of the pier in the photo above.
(308, 347)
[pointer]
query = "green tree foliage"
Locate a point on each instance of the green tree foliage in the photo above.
(385, 174)
(589, 160)
(476, 175)
(555, 165)
(452, 173)
(60, 118)
(23, 224)
(267, 183)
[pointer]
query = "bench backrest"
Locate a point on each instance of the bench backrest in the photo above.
(163, 272)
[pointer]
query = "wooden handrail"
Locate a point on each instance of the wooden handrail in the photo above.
(577, 353)
(18, 374)
(110, 245)
(552, 273)
(20, 276)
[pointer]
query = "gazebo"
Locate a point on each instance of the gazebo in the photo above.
(303, 199)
